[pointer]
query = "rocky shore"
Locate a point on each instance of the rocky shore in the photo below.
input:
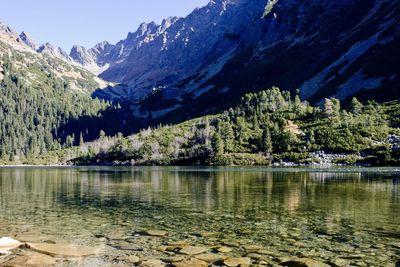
(214, 249)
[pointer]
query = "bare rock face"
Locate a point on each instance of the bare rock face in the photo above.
(28, 40)
(81, 55)
(58, 52)
(7, 31)
(105, 55)
(232, 47)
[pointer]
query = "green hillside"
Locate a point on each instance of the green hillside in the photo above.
(266, 127)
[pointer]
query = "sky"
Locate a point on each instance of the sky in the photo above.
(87, 22)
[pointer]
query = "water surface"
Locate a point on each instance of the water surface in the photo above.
(346, 214)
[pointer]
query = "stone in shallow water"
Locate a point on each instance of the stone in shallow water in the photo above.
(208, 234)
(252, 248)
(192, 250)
(152, 263)
(177, 258)
(339, 262)
(156, 233)
(63, 250)
(304, 263)
(211, 257)
(130, 258)
(7, 244)
(224, 249)
(31, 259)
(180, 243)
(233, 262)
(34, 238)
(193, 262)
(254, 256)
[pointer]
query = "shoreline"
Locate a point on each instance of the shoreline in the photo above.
(272, 166)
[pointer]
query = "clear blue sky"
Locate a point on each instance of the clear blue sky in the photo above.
(87, 22)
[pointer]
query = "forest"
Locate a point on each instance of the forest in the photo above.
(48, 122)
(268, 127)
(49, 116)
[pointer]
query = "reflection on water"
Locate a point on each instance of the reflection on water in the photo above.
(321, 214)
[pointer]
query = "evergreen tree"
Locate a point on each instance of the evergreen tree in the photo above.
(356, 106)
(217, 144)
(266, 142)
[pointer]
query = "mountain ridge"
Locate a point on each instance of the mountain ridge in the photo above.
(323, 48)
(178, 69)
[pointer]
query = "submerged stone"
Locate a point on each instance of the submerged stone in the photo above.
(63, 250)
(208, 234)
(130, 258)
(304, 263)
(233, 262)
(193, 262)
(192, 250)
(339, 262)
(156, 233)
(31, 259)
(152, 263)
(211, 257)
(224, 249)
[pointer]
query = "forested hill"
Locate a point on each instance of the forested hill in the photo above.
(266, 127)
(46, 104)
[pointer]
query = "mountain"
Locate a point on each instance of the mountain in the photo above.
(28, 40)
(197, 65)
(25, 42)
(186, 66)
(45, 101)
(104, 55)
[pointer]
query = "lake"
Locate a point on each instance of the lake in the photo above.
(339, 216)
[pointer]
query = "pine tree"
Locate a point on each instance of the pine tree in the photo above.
(356, 106)
(217, 144)
(266, 142)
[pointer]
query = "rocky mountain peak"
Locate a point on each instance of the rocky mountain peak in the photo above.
(28, 40)
(49, 49)
(5, 29)
(166, 23)
(102, 46)
(146, 28)
(81, 55)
